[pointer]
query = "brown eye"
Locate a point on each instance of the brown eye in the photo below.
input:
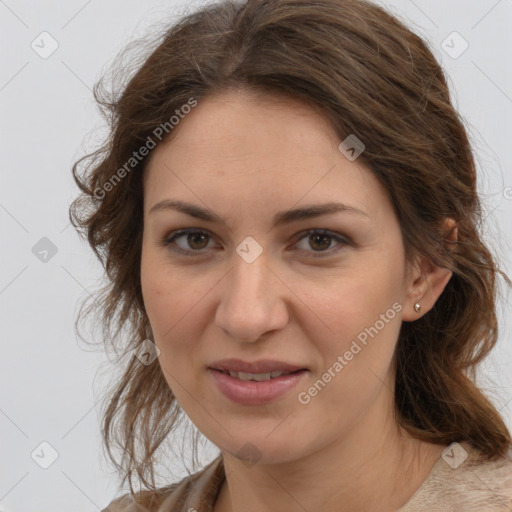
(191, 241)
(320, 241)
(196, 240)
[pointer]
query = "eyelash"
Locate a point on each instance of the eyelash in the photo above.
(168, 240)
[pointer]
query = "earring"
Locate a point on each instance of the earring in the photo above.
(417, 307)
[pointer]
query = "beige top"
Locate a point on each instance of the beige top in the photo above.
(460, 481)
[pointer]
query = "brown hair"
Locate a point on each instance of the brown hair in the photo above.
(370, 76)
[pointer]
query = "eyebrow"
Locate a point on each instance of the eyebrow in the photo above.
(280, 218)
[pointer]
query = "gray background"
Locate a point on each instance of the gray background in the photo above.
(50, 389)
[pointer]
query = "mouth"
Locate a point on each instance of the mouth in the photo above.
(246, 388)
(258, 377)
(256, 370)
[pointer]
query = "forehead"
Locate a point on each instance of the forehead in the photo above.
(245, 125)
(261, 148)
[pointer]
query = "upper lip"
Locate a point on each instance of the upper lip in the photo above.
(261, 366)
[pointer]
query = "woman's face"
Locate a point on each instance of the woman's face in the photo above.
(250, 288)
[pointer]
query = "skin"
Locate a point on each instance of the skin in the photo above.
(247, 157)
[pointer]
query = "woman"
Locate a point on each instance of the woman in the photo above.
(287, 213)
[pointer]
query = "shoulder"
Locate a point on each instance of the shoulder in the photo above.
(486, 484)
(200, 486)
(463, 479)
(143, 501)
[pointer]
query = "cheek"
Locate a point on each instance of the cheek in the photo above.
(349, 302)
(175, 305)
(355, 375)
(170, 308)
(167, 301)
(167, 294)
(361, 311)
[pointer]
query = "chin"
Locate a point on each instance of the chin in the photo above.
(263, 451)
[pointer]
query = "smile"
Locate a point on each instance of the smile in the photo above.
(255, 388)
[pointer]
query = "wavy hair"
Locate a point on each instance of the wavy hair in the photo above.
(369, 75)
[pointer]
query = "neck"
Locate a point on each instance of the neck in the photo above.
(375, 466)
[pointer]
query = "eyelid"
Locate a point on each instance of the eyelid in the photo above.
(168, 239)
(341, 239)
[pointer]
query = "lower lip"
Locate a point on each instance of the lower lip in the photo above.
(250, 392)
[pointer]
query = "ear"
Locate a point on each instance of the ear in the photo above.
(427, 281)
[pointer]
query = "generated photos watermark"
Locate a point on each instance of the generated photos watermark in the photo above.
(158, 133)
(305, 397)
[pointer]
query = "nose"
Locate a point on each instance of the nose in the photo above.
(251, 301)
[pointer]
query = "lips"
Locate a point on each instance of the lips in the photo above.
(256, 376)
(261, 366)
(256, 392)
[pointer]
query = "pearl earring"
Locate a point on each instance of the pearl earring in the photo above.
(417, 307)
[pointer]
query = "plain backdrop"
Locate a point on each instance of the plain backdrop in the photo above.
(49, 393)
